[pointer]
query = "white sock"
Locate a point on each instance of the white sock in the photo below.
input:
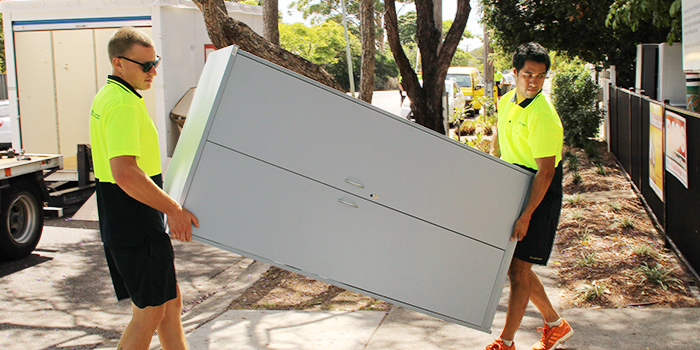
(556, 323)
(507, 342)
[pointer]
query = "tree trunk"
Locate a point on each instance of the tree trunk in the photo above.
(426, 100)
(225, 31)
(368, 58)
(271, 21)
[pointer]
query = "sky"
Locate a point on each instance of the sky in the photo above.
(449, 7)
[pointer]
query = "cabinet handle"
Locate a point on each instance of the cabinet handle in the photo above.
(354, 183)
(347, 203)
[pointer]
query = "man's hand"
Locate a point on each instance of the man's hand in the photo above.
(520, 229)
(180, 224)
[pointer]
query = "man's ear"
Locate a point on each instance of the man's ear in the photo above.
(117, 63)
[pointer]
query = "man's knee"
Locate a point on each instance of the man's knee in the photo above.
(149, 316)
(519, 271)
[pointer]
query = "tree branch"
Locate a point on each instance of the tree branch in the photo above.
(225, 31)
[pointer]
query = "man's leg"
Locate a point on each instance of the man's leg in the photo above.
(519, 276)
(538, 296)
(143, 324)
(525, 285)
(170, 331)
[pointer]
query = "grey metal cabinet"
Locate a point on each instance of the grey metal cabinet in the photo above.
(333, 188)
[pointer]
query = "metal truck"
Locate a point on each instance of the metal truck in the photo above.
(22, 197)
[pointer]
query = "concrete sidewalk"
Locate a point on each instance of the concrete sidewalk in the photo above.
(211, 326)
(405, 330)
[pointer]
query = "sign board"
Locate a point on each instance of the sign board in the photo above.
(287, 171)
(691, 35)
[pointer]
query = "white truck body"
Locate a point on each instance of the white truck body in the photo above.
(57, 61)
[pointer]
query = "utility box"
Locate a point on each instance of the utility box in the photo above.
(57, 61)
(660, 72)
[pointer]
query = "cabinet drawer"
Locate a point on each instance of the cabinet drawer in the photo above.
(280, 217)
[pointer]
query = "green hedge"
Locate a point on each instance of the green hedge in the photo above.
(575, 96)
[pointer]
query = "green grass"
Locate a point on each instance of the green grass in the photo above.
(658, 275)
(573, 199)
(585, 235)
(643, 251)
(586, 260)
(577, 214)
(577, 177)
(600, 169)
(591, 291)
(573, 163)
(626, 222)
(614, 206)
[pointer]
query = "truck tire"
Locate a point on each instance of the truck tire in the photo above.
(21, 222)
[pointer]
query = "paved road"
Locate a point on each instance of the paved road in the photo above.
(389, 101)
(61, 296)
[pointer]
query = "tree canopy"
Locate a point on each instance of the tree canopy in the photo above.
(319, 44)
(576, 28)
(663, 14)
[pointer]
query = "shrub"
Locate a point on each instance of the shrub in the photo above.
(575, 96)
(659, 275)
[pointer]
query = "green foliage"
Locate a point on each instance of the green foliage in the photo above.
(319, 44)
(625, 222)
(614, 206)
(586, 260)
(463, 59)
(600, 169)
(577, 177)
(585, 235)
(664, 14)
(573, 199)
(643, 251)
(591, 291)
(658, 275)
(407, 28)
(574, 28)
(385, 68)
(573, 162)
(577, 215)
(575, 96)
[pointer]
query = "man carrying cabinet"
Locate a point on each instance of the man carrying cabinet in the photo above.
(130, 200)
(530, 135)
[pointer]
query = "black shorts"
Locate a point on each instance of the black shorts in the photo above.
(536, 246)
(144, 273)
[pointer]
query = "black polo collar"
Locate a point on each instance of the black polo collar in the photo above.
(123, 84)
(526, 102)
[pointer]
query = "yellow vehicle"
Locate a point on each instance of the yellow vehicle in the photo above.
(469, 79)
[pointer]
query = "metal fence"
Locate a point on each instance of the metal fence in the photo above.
(635, 139)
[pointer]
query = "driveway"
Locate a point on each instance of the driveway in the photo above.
(61, 296)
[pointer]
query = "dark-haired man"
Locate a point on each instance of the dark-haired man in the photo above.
(530, 135)
(130, 200)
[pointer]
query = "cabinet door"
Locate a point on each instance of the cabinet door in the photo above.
(36, 90)
(74, 67)
(263, 211)
(355, 147)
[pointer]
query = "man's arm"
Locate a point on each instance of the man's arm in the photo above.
(495, 149)
(138, 185)
(538, 188)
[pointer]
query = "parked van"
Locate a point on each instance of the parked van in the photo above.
(470, 80)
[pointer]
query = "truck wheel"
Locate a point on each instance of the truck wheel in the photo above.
(22, 222)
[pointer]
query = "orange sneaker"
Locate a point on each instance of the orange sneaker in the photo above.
(553, 337)
(499, 345)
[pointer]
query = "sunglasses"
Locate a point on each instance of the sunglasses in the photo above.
(146, 66)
